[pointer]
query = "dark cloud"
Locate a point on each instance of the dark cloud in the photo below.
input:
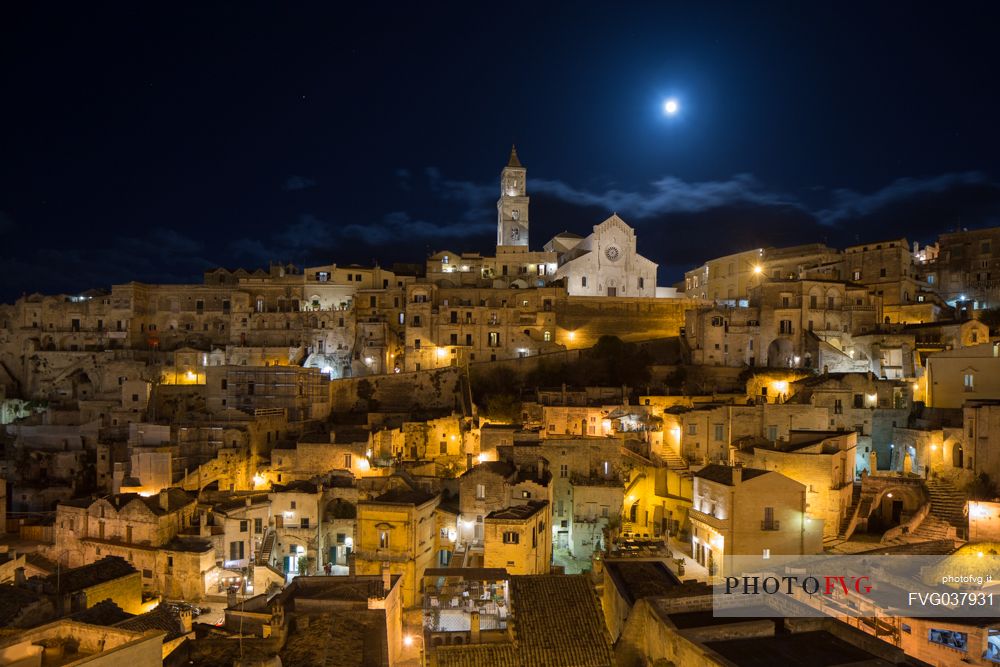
(668, 195)
(672, 196)
(161, 255)
(475, 200)
(399, 227)
(295, 182)
(849, 205)
(307, 239)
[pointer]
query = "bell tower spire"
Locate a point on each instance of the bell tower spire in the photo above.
(512, 207)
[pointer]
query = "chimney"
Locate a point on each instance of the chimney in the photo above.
(185, 618)
(19, 578)
(249, 501)
(474, 627)
(165, 499)
(737, 475)
(386, 580)
(541, 470)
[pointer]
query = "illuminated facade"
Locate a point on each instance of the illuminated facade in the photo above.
(605, 263)
(749, 512)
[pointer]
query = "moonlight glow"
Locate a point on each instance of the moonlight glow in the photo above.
(670, 107)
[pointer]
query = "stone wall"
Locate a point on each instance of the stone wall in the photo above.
(589, 318)
(443, 388)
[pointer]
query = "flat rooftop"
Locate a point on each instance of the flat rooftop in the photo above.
(706, 618)
(803, 649)
(640, 579)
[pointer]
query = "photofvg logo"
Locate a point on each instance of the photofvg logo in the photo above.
(829, 585)
(956, 585)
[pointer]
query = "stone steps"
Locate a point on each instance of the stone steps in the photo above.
(264, 557)
(947, 503)
(846, 520)
(933, 528)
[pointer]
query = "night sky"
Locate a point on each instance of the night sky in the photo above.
(151, 141)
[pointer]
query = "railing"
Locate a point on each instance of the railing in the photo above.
(770, 525)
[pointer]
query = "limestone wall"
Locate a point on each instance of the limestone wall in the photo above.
(402, 392)
(589, 318)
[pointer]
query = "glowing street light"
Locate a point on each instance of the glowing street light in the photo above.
(671, 107)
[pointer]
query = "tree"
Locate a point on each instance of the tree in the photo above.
(504, 408)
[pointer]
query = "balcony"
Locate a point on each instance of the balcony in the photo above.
(770, 525)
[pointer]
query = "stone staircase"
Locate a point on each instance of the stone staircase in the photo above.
(947, 509)
(672, 460)
(264, 555)
(933, 528)
(845, 522)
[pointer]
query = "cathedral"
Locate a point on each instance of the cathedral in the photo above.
(604, 263)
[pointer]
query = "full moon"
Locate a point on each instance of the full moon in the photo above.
(670, 107)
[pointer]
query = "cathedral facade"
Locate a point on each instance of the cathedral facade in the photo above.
(604, 263)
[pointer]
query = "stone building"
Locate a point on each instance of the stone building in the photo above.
(789, 323)
(398, 528)
(966, 271)
(728, 280)
(297, 508)
(604, 263)
(863, 403)
(519, 538)
(78, 643)
(888, 269)
(956, 376)
(748, 511)
(588, 488)
(152, 533)
(461, 325)
(823, 461)
(704, 433)
(725, 279)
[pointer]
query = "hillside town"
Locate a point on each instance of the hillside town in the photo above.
(541, 457)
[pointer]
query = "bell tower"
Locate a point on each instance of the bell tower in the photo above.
(512, 207)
